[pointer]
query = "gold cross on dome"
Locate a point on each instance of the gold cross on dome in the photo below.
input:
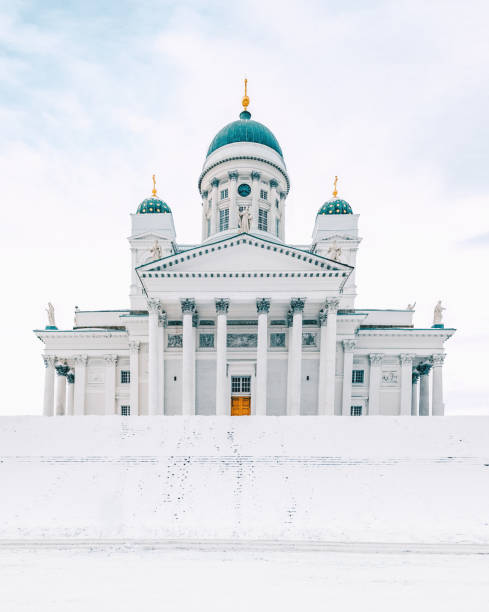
(154, 185)
(335, 192)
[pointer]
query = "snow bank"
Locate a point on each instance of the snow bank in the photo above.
(375, 479)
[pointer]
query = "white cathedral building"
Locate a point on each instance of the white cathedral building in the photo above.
(244, 323)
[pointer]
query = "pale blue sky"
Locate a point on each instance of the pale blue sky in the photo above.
(391, 96)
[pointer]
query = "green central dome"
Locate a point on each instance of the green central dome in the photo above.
(244, 130)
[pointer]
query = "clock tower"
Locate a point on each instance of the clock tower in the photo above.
(244, 181)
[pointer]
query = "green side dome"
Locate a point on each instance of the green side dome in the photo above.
(244, 130)
(153, 205)
(335, 207)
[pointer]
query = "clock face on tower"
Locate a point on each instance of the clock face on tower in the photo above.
(244, 190)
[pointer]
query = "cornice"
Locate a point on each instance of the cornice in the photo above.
(437, 333)
(250, 157)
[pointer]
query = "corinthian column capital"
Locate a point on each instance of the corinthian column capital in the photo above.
(110, 360)
(188, 305)
(406, 358)
(263, 305)
(376, 359)
(222, 305)
(437, 359)
(153, 305)
(134, 346)
(297, 304)
(332, 305)
(49, 360)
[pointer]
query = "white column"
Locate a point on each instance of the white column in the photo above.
(80, 384)
(406, 360)
(110, 373)
(273, 208)
(282, 215)
(70, 394)
(188, 358)
(205, 212)
(330, 356)
(374, 383)
(414, 393)
(348, 348)
(233, 208)
(134, 346)
(323, 320)
(61, 371)
(255, 194)
(222, 306)
(48, 404)
(263, 308)
(153, 312)
(162, 321)
(437, 405)
(424, 389)
(214, 206)
(295, 358)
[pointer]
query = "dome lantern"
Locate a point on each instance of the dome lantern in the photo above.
(153, 204)
(335, 206)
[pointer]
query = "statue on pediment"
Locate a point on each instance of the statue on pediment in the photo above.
(156, 250)
(244, 220)
(411, 306)
(334, 252)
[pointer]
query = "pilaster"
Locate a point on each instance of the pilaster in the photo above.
(406, 360)
(424, 389)
(61, 371)
(295, 358)
(153, 382)
(162, 322)
(48, 404)
(348, 348)
(110, 372)
(331, 307)
(214, 205)
(437, 405)
(233, 207)
(188, 357)
(414, 393)
(80, 384)
(70, 393)
(134, 346)
(255, 194)
(222, 307)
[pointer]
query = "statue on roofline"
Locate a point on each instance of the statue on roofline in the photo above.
(334, 252)
(438, 313)
(156, 250)
(411, 306)
(50, 313)
(244, 220)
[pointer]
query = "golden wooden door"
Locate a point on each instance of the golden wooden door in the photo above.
(240, 406)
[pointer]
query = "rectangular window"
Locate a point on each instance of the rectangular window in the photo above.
(263, 220)
(125, 410)
(276, 203)
(277, 227)
(356, 411)
(263, 194)
(240, 384)
(223, 219)
(357, 376)
(224, 194)
(125, 376)
(208, 227)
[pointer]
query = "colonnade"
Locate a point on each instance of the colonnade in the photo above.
(67, 397)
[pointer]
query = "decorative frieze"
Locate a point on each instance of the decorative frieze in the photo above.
(175, 341)
(242, 340)
(309, 339)
(263, 305)
(206, 341)
(390, 378)
(222, 305)
(277, 340)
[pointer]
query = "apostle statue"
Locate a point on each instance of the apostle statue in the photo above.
(438, 313)
(244, 220)
(411, 306)
(50, 313)
(334, 252)
(156, 250)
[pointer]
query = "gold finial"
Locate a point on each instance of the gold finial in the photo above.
(245, 100)
(154, 185)
(335, 191)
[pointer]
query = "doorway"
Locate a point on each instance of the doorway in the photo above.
(240, 395)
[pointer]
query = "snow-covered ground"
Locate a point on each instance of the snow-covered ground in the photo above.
(375, 479)
(189, 580)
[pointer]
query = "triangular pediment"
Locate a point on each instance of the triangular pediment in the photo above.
(243, 253)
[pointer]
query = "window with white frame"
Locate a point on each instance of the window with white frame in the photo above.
(240, 384)
(125, 377)
(223, 219)
(125, 410)
(224, 194)
(263, 220)
(357, 377)
(263, 194)
(356, 411)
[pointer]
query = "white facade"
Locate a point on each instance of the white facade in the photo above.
(244, 316)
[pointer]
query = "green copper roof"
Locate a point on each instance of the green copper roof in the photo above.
(153, 205)
(244, 130)
(335, 207)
